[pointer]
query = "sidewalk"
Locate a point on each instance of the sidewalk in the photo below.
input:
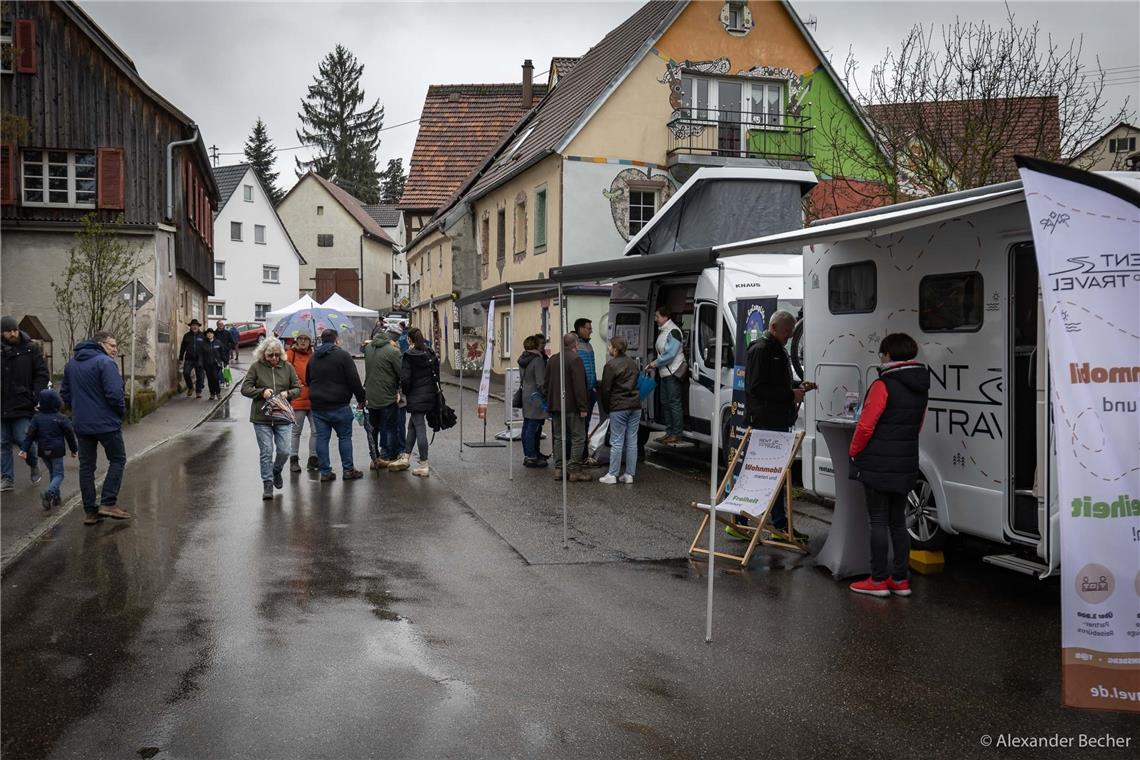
(23, 520)
(471, 384)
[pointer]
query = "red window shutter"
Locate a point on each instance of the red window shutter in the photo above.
(7, 175)
(110, 168)
(186, 184)
(25, 43)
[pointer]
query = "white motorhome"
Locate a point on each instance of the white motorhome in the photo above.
(958, 273)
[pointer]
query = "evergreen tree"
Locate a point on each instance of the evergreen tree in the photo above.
(261, 155)
(344, 135)
(392, 181)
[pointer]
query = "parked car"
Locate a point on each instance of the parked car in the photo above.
(392, 321)
(250, 333)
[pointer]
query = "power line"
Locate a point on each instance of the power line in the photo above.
(299, 147)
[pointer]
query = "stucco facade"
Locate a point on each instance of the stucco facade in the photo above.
(1111, 151)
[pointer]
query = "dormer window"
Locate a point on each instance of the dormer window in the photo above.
(736, 18)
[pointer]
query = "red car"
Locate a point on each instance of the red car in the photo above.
(250, 333)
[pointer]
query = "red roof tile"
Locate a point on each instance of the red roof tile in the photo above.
(459, 126)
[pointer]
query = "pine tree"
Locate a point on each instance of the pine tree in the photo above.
(392, 181)
(344, 136)
(261, 155)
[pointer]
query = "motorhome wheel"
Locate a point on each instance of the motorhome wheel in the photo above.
(922, 517)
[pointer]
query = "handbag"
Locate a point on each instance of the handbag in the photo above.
(443, 417)
(645, 385)
(682, 372)
(227, 376)
(516, 399)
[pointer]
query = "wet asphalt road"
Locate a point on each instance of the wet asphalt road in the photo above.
(397, 617)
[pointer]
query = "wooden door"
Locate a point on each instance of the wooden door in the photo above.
(343, 281)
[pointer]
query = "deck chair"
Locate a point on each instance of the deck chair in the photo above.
(757, 524)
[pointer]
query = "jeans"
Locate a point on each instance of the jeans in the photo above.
(386, 423)
(327, 421)
(417, 435)
(576, 433)
(12, 433)
(402, 429)
(55, 468)
(531, 435)
(199, 376)
(214, 380)
(670, 389)
(886, 512)
(116, 452)
(268, 437)
(302, 415)
(623, 437)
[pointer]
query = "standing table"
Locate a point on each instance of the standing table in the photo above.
(847, 551)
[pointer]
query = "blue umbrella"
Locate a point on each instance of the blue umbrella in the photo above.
(313, 322)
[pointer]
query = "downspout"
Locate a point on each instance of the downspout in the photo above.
(170, 171)
(360, 295)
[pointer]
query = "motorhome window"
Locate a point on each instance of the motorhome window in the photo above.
(628, 326)
(706, 326)
(951, 302)
(852, 288)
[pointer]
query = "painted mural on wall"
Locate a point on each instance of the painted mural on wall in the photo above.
(618, 194)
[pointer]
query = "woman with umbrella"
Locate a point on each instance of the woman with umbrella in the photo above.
(272, 383)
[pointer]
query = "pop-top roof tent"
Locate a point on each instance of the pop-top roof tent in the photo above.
(347, 307)
(304, 302)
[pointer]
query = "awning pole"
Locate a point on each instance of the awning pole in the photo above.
(461, 359)
(561, 456)
(507, 401)
(714, 464)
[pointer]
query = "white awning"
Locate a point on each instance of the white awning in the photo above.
(302, 303)
(347, 307)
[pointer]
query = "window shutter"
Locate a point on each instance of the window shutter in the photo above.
(112, 180)
(7, 175)
(25, 44)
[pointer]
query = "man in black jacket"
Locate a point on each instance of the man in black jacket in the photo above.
(333, 382)
(192, 354)
(772, 394)
(23, 374)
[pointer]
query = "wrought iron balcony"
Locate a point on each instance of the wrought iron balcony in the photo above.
(739, 135)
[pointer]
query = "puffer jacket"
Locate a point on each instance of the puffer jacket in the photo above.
(418, 371)
(23, 374)
(619, 384)
(262, 375)
(884, 448)
(299, 360)
(93, 388)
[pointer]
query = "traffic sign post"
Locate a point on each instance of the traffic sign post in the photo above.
(136, 295)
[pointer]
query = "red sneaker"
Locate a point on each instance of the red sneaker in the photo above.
(871, 587)
(899, 588)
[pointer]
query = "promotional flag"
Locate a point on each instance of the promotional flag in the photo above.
(488, 356)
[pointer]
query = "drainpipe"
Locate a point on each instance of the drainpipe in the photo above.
(360, 295)
(170, 171)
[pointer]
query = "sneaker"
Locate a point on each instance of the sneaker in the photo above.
(422, 469)
(56, 501)
(267, 490)
(313, 464)
(114, 512)
(734, 533)
(544, 457)
(627, 479)
(871, 587)
(579, 477)
(327, 477)
(781, 534)
(6, 485)
(37, 476)
(278, 481)
(401, 464)
(91, 518)
(46, 500)
(198, 394)
(528, 462)
(608, 479)
(353, 474)
(899, 588)
(294, 464)
(189, 393)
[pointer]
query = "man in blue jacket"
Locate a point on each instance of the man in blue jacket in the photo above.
(584, 328)
(93, 388)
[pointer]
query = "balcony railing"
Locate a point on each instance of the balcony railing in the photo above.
(740, 134)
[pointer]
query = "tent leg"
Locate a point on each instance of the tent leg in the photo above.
(562, 411)
(507, 402)
(460, 382)
(714, 463)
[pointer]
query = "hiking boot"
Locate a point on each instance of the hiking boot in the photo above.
(558, 473)
(608, 479)
(278, 481)
(37, 476)
(422, 469)
(114, 512)
(736, 534)
(91, 518)
(402, 463)
(46, 500)
(189, 393)
(327, 477)
(579, 477)
(353, 474)
(871, 587)
(899, 588)
(294, 464)
(313, 464)
(627, 479)
(267, 490)
(6, 485)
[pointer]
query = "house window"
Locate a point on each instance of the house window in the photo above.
(851, 288)
(259, 234)
(501, 232)
(271, 274)
(260, 310)
(59, 178)
(247, 193)
(320, 210)
(216, 309)
(732, 100)
(1122, 145)
(504, 336)
(235, 231)
(539, 219)
(219, 270)
(642, 207)
(387, 283)
(7, 52)
(950, 302)
(520, 226)
(767, 103)
(324, 241)
(694, 98)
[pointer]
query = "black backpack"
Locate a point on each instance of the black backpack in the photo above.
(443, 417)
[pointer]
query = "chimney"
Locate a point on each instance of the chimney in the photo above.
(528, 84)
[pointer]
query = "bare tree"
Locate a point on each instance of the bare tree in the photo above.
(948, 110)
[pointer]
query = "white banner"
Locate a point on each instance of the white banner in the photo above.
(1086, 230)
(488, 357)
(768, 456)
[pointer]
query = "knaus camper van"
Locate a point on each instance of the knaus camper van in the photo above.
(957, 272)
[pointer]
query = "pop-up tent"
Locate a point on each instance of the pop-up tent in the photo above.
(362, 318)
(302, 303)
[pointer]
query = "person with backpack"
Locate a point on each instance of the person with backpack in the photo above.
(51, 432)
(270, 375)
(298, 358)
(419, 382)
(619, 394)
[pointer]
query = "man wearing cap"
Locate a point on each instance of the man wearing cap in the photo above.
(192, 354)
(23, 374)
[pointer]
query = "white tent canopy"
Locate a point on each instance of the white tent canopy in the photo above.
(347, 307)
(302, 303)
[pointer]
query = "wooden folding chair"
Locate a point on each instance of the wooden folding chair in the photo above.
(761, 527)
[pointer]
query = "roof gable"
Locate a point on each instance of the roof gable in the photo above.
(349, 203)
(228, 178)
(386, 215)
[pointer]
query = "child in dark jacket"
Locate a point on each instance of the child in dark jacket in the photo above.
(51, 431)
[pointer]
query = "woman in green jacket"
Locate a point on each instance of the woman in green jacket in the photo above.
(270, 375)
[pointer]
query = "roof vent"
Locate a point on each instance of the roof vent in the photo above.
(453, 97)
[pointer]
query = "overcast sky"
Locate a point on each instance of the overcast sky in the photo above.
(225, 64)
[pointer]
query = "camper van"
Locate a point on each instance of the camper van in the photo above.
(958, 272)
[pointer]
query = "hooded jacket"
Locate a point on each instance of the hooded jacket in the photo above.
(261, 375)
(23, 374)
(885, 444)
(299, 361)
(93, 388)
(418, 371)
(50, 430)
(382, 363)
(332, 379)
(532, 379)
(769, 401)
(193, 348)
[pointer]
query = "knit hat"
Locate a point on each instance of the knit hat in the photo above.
(395, 335)
(8, 324)
(50, 400)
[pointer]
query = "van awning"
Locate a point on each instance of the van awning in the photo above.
(634, 267)
(527, 290)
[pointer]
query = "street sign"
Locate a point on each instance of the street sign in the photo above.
(138, 292)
